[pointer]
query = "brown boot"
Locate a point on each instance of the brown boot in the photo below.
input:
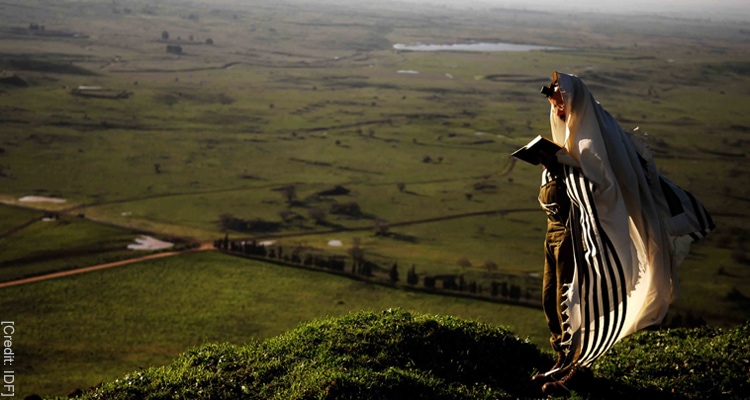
(542, 377)
(575, 379)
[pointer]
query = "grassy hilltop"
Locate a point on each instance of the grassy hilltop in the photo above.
(399, 355)
(191, 120)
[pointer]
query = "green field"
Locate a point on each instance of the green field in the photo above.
(78, 331)
(315, 96)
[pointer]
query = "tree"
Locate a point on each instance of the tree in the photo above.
(157, 168)
(449, 283)
(317, 214)
(164, 35)
(225, 221)
(174, 49)
(381, 227)
(491, 266)
(209, 41)
(290, 193)
(356, 252)
(411, 276)
(515, 292)
(358, 257)
(286, 215)
(463, 262)
(350, 208)
(401, 186)
(393, 274)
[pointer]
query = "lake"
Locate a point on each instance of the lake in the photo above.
(482, 46)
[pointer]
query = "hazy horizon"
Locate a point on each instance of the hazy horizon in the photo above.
(735, 9)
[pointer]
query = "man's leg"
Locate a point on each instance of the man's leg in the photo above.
(577, 377)
(551, 290)
(557, 270)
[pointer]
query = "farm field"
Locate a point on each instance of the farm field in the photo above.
(299, 123)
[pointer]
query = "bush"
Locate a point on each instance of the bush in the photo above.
(350, 208)
(317, 214)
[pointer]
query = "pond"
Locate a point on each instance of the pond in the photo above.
(480, 46)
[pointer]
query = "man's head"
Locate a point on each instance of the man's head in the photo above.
(554, 95)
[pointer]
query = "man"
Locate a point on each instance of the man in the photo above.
(559, 262)
(629, 228)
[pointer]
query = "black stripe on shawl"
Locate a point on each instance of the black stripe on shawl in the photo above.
(615, 268)
(597, 295)
(610, 268)
(673, 201)
(572, 351)
(697, 211)
(588, 310)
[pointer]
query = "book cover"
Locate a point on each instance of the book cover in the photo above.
(533, 151)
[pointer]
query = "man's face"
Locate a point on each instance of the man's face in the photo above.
(557, 102)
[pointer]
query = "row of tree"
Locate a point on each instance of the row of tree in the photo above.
(356, 264)
(165, 36)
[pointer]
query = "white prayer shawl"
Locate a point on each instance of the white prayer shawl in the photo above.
(631, 228)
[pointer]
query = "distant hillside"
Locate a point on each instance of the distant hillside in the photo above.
(399, 355)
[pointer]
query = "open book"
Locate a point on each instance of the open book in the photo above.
(531, 153)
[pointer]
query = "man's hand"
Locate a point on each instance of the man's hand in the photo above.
(550, 162)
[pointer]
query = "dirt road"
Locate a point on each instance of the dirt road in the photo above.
(204, 247)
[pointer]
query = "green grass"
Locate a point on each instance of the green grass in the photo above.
(695, 363)
(398, 354)
(87, 328)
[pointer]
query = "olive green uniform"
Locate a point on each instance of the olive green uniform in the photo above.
(558, 253)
